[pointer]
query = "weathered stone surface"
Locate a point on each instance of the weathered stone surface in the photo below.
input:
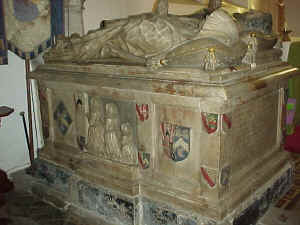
(111, 207)
(262, 204)
(155, 213)
(52, 175)
(255, 21)
(50, 196)
(114, 208)
(195, 145)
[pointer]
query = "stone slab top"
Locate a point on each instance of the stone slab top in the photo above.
(224, 77)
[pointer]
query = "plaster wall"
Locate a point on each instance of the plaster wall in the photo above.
(139, 6)
(95, 11)
(73, 17)
(13, 148)
(182, 9)
(292, 8)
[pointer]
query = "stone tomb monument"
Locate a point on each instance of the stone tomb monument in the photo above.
(162, 119)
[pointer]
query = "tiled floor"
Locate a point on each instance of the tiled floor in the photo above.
(22, 208)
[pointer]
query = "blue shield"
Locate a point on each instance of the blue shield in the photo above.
(181, 144)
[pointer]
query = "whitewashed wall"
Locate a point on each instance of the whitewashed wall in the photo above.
(292, 8)
(73, 17)
(181, 9)
(139, 6)
(13, 148)
(95, 11)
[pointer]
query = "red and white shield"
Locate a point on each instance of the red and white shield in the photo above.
(142, 111)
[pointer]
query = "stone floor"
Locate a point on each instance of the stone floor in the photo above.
(276, 216)
(22, 208)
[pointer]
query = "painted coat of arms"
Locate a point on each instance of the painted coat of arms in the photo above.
(142, 111)
(210, 122)
(175, 141)
(144, 159)
(63, 118)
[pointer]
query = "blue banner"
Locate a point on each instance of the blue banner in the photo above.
(57, 18)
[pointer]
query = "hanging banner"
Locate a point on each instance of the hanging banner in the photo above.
(57, 18)
(28, 29)
(30, 25)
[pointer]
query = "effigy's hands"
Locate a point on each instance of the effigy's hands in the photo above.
(156, 62)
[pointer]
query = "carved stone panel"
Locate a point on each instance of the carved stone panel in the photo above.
(112, 130)
(96, 129)
(99, 126)
(177, 152)
(63, 115)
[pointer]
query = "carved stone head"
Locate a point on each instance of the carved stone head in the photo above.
(111, 110)
(161, 7)
(126, 129)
